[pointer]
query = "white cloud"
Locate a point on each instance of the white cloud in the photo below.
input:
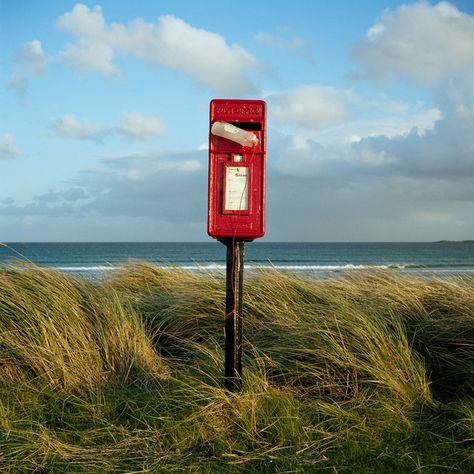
(18, 83)
(311, 106)
(8, 148)
(391, 139)
(334, 117)
(187, 166)
(135, 126)
(296, 155)
(83, 21)
(68, 126)
(203, 55)
(465, 113)
(389, 125)
(32, 55)
(423, 42)
(294, 44)
(89, 56)
(134, 175)
(30, 60)
(161, 166)
(271, 41)
(139, 127)
(164, 186)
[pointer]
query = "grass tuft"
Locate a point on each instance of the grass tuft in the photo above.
(65, 333)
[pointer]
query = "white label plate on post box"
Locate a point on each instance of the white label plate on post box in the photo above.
(236, 188)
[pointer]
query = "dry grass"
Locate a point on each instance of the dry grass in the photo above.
(368, 372)
(63, 332)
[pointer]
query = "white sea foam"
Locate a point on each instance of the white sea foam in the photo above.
(304, 268)
(98, 268)
(249, 266)
(348, 266)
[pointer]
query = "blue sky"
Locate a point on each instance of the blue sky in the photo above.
(104, 117)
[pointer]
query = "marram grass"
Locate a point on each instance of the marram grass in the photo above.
(370, 372)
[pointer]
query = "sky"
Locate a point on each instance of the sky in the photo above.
(104, 117)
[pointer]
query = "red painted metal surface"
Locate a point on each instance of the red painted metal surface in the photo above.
(232, 160)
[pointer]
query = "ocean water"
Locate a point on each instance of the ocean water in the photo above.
(318, 259)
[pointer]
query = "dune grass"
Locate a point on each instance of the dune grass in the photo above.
(370, 372)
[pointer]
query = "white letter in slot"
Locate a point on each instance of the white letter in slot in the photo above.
(235, 134)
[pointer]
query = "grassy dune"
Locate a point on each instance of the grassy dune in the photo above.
(372, 372)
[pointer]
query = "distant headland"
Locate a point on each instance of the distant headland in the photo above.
(454, 242)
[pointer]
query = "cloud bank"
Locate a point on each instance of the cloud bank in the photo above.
(68, 126)
(311, 106)
(135, 126)
(171, 42)
(139, 127)
(423, 43)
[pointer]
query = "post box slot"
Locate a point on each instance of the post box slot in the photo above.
(237, 134)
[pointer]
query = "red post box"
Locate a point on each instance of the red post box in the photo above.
(237, 154)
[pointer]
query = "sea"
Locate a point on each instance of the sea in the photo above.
(99, 259)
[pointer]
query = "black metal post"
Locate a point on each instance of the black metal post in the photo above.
(233, 314)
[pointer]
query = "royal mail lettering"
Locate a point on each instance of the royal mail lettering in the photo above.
(247, 111)
(240, 111)
(224, 111)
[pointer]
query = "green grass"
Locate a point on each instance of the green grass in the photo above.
(371, 372)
